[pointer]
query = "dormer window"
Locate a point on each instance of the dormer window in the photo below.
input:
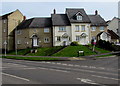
(79, 17)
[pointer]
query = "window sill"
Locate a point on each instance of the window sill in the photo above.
(61, 31)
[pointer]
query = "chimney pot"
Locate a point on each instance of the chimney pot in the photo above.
(96, 12)
(54, 11)
(24, 17)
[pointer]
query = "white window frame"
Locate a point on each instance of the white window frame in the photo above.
(82, 28)
(62, 28)
(103, 28)
(4, 30)
(45, 40)
(93, 28)
(46, 30)
(58, 38)
(18, 41)
(79, 17)
(77, 28)
(77, 38)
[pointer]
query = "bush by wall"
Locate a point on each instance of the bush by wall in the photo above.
(74, 43)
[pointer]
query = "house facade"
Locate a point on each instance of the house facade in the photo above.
(98, 26)
(114, 25)
(80, 25)
(9, 22)
(35, 32)
(57, 30)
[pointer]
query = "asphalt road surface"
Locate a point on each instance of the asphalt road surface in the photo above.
(101, 72)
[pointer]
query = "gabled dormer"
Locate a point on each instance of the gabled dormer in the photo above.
(78, 16)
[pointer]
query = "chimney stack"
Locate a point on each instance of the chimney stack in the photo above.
(24, 17)
(96, 12)
(54, 11)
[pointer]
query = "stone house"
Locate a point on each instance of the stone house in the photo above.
(9, 22)
(114, 25)
(34, 32)
(97, 26)
(57, 30)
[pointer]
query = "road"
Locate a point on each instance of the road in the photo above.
(100, 72)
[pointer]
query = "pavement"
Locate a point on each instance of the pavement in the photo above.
(99, 72)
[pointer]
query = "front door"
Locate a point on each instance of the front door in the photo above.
(35, 42)
(64, 43)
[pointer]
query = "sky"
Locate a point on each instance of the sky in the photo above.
(107, 10)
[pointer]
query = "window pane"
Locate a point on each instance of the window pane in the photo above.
(77, 38)
(58, 38)
(62, 29)
(77, 27)
(93, 28)
(83, 28)
(46, 29)
(79, 17)
(102, 28)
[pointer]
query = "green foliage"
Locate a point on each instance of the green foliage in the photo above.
(108, 46)
(75, 43)
(72, 51)
(20, 52)
(46, 51)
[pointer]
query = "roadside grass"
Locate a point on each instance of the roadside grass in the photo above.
(19, 52)
(104, 55)
(72, 51)
(100, 50)
(30, 58)
(45, 51)
(41, 51)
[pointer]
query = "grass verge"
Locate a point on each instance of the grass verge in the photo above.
(72, 51)
(30, 58)
(104, 55)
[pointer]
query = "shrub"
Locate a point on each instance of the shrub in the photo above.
(107, 45)
(74, 43)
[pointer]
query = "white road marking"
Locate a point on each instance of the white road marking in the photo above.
(64, 64)
(15, 76)
(53, 62)
(59, 70)
(88, 81)
(70, 65)
(77, 65)
(58, 63)
(95, 72)
(29, 68)
(105, 77)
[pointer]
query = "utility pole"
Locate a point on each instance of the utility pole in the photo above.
(5, 43)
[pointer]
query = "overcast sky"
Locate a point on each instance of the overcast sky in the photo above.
(107, 10)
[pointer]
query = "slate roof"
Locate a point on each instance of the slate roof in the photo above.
(71, 12)
(35, 23)
(5, 16)
(60, 20)
(97, 20)
(113, 34)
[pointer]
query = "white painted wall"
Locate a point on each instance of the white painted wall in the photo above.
(83, 41)
(56, 33)
(105, 37)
